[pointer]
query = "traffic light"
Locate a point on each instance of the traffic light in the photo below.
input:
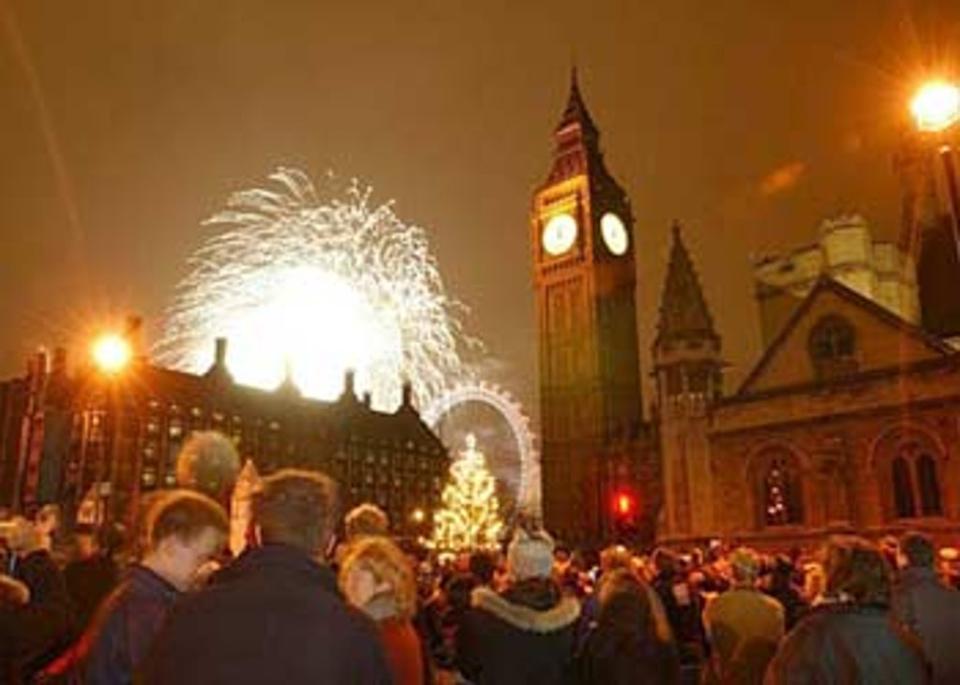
(624, 505)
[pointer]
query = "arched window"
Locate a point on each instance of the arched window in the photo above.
(903, 489)
(781, 494)
(912, 464)
(832, 347)
(929, 486)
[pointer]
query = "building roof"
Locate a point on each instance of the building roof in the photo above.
(921, 340)
(684, 314)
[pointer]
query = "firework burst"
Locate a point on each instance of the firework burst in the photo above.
(312, 282)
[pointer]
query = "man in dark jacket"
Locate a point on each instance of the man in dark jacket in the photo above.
(525, 635)
(90, 576)
(274, 615)
(929, 609)
(850, 638)
(184, 529)
(33, 634)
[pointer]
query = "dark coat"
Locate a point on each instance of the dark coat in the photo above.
(125, 626)
(33, 635)
(524, 636)
(89, 581)
(845, 643)
(931, 611)
(273, 616)
(611, 659)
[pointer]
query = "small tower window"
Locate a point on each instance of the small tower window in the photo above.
(832, 346)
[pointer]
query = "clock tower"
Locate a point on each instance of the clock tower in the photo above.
(582, 238)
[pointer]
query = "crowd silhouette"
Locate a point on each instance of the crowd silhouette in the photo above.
(316, 597)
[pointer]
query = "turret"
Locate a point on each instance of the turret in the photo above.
(688, 369)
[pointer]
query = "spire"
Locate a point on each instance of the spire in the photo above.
(577, 139)
(576, 113)
(684, 314)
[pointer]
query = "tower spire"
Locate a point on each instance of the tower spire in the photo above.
(577, 138)
(684, 314)
(576, 114)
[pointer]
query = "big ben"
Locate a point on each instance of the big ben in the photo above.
(582, 236)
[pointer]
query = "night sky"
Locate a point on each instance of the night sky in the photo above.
(125, 123)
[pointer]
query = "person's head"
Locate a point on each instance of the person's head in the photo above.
(890, 549)
(614, 557)
(208, 463)
(530, 555)
(364, 520)
(918, 550)
(744, 566)
(376, 568)
(814, 581)
(628, 607)
(86, 541)
(47, 519)
(297, 508)
(183, 530)
(22, 536)
(483, 567)
(664, 560)
(856, 570)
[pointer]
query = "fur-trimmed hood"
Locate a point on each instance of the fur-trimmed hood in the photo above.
(557, 617)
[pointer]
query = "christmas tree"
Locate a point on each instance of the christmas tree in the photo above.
(469, 518)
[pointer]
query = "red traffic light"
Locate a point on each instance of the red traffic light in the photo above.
(624, 504)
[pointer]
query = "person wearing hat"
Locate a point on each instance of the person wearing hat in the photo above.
(743, 625)
(524, 634)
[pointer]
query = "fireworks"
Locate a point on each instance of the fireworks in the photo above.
(317, 283)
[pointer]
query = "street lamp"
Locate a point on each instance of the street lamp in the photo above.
(111, 353)
(936, 109)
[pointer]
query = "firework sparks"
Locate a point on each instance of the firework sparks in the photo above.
(317, 283)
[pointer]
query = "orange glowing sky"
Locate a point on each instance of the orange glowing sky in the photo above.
(124, 124)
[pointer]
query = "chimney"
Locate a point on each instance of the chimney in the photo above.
(349, 383)
(407, 401)
(367, 399)
(220, 353)
(134, 335)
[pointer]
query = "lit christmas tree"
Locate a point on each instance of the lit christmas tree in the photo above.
(470, 517)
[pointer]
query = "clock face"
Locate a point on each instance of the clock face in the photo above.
(614, 234)
(559, 234)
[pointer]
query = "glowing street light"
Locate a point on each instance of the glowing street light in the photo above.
(111, 353)
(936, 106)
(418, 516)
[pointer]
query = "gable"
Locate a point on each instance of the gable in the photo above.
(881, 340)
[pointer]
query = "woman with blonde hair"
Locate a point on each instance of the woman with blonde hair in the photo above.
(378, 579)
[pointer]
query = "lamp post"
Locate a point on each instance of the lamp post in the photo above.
(111, 354)
(936, 109)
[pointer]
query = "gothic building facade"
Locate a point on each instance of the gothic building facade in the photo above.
(68, 435)
(848, 421)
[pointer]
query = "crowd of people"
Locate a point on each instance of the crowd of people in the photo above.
(320, 598)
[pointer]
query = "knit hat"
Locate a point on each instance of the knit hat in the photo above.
(530, 555)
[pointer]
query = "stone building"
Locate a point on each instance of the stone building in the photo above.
(848, 421)
(66, 435)
(846, 252)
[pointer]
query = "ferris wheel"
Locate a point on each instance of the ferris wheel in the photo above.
(495, 397)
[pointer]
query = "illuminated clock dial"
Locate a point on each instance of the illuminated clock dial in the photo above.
(614, 234)
(559, 234)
